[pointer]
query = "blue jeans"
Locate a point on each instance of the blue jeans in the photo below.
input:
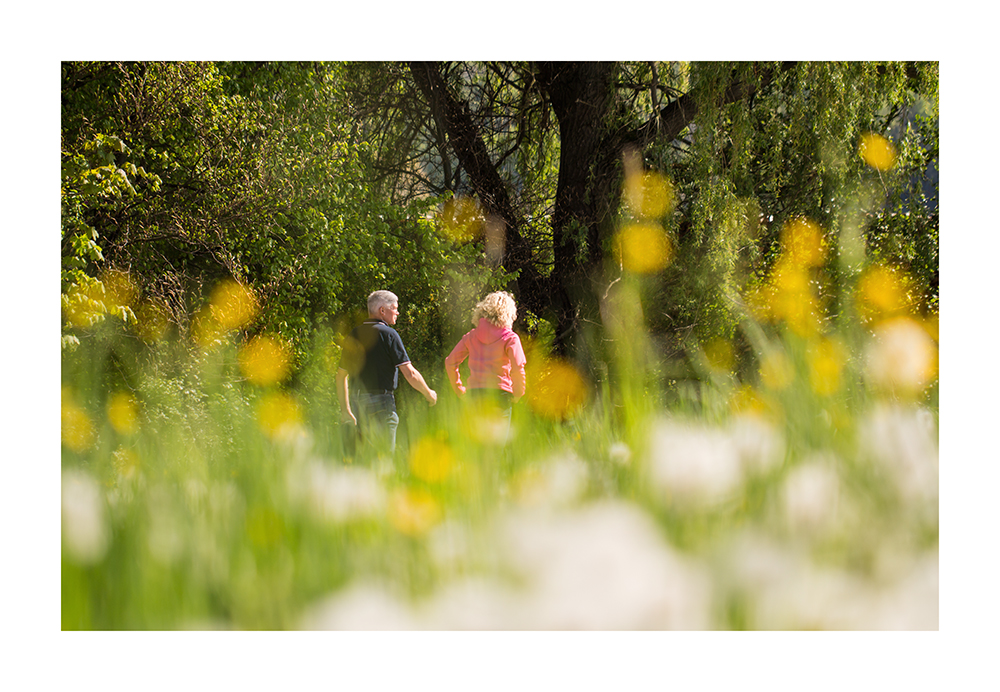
(377, 419)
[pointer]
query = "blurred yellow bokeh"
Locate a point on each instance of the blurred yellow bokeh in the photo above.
(76, 428)
(746, 399)
(883, 292)
(278, 414)
(877, 151)
(265, 360)
(788, 296)
(413, 511)
(126, 463)
(803, 244)
(556, 389)
(719, 354)
(649, 194)
(826, 359)
(123, 413)
(776, 371)
(901, 358)
(232, 305)
(431, 460)
(461, 219)
(643, 248)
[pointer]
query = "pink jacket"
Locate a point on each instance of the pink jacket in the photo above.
(496, 360)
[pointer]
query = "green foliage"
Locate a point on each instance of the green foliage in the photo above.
(255, 173)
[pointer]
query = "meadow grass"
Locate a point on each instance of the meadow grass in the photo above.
(196, 497)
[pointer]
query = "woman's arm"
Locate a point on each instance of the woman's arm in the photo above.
(451, 363)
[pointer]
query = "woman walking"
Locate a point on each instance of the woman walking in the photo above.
(493, 349)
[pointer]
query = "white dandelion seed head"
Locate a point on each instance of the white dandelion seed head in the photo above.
(760, 445)
(337, 493)
(85, 531)
(810, 496)
(604, 566)
(694, 465)
(903, 442)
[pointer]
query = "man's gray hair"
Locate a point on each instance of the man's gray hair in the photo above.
(380, 299)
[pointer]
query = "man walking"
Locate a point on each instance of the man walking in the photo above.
(374, 356)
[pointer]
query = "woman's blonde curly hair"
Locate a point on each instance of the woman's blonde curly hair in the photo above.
(498, 308)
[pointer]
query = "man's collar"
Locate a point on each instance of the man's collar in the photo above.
(371, 320)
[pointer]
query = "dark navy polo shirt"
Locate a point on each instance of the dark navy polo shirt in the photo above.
(378, 352)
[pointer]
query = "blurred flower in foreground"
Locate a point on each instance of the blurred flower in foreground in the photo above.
(758, 443)
(693, 465)
(484, 422)
(810, 495)
(719, 355)
(789, 294)
(603, 567)
(123, 413)
(620, 453)
(556, 390)
(431, 460)
(776, 371)
(643, 247)
(559, 481)
(337, 493)
(233, 305)
(279, 414)
(265, 360)
(784, 590)
(901, 357)
(802, 243)
(85, 533)
(649, 194)
(76, 428)
(826, 359)
(698, 466)
(883, 292)
(904, 442)
(461, 219)
(877, 151)
(413, 511)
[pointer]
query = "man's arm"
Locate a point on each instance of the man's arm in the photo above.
(416, 381)
(345, 400)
